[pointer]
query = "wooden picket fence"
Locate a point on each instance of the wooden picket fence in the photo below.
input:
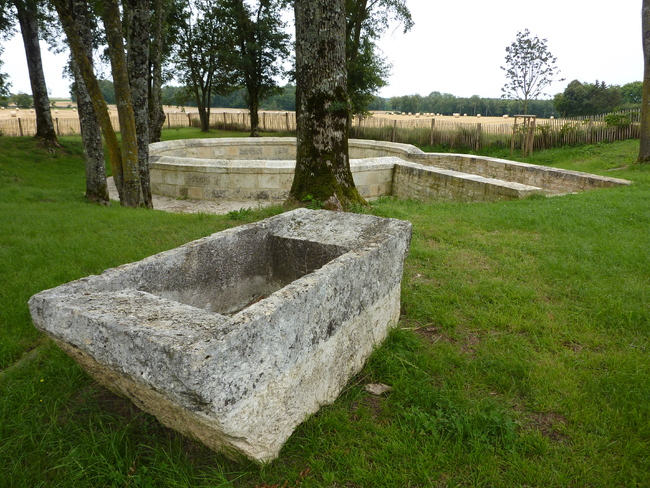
(426, 131)
(548, 132)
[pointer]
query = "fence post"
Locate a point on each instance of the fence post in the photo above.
(477, 143)
(189, 121)
(20, 127)
(392, 136)
(58, 131)
(286, 117)
(433, 124)
(512, 143)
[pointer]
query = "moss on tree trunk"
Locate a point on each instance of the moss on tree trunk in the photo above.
(69, 20)
(322, 109)
(91, 135)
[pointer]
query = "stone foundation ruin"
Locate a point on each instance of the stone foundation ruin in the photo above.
(261, 169)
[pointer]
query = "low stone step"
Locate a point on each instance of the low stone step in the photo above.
(430, 183)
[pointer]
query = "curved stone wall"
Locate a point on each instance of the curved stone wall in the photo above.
(240, 169)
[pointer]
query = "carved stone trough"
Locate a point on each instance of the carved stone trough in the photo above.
(236, 338)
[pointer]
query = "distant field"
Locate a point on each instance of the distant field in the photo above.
(61, 110)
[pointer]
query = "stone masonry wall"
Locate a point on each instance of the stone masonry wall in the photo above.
(241, 169)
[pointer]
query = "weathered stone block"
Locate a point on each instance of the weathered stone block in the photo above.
(236, 338)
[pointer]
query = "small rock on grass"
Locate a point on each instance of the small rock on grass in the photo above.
(377, 389)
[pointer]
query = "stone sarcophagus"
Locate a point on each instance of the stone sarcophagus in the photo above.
(236, 338)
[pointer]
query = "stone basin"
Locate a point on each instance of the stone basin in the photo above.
(261, 169)
(236, 338)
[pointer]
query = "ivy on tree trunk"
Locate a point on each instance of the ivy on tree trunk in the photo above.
(322, 162)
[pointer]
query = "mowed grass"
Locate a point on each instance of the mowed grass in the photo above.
(521, 359)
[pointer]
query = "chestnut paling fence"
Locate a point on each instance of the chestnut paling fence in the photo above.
(426, 130)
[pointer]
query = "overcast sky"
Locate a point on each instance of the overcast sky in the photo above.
(458, 46)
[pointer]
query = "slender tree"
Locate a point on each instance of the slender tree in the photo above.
(261, 46)
(530, 68)
(132, 185)
(322, 110)
(28, 19)
(159, 10)
(96, 186)
(644, 148)
(204, 54)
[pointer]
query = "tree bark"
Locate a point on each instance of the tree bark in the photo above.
(28, 20)
(322, 162)
(644, 147)
(254, 110)
(96, 187)
(138, 19)
(68, 19)
(132, 185)
(156, 113)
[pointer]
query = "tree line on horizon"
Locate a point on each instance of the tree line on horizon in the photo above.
(578, 99)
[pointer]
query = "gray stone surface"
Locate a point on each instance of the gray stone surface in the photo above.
(261, 169)
(236, 338)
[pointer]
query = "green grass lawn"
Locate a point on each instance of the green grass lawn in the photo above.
(521, 359)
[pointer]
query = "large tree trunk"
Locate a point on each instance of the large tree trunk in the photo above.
(644, 149)
(132, 185)
(156, 113)
(138, 19)
(69, 19)
(91, 135)
(28, 19)
(322, 162)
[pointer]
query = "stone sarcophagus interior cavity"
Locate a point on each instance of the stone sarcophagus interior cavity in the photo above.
(236, 338)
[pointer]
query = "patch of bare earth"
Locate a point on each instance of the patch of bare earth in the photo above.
(549, 425)
(465, 339)
(373, 405)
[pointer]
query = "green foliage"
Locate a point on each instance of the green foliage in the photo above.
(22, 100)
(5, 84)
(530, 68)
(365, 23)
(448, 104)
(261, 47)
(284, 100)
(619, 121)
(241, 214)
(108, 91)
(203, 53)
(588, 99)
(632, 92)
